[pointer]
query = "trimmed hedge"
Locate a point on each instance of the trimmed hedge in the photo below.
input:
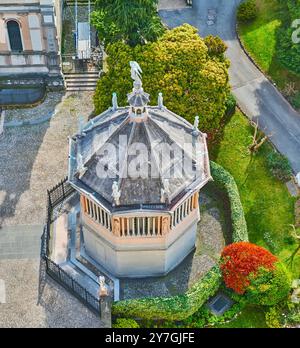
(227, 183)
(122, 323)
(247, 11)
(171, 308)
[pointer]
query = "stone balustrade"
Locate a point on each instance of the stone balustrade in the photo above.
(140, 225)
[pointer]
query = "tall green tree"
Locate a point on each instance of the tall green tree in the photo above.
(132, 21)
(193, 79)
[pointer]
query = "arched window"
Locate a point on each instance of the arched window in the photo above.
(14, 36)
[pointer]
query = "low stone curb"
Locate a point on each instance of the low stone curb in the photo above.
(33, 122)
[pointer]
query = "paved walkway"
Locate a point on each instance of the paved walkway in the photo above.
(31, 304)
(68, 250)
(34, 158)
(171, 4)
(20, 242)
(255, 94)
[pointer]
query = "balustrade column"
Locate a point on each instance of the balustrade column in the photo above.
(159, 225)
(138, 226)
(143, 226)
(122, 226)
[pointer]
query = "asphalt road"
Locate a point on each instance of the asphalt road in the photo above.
(256, 95)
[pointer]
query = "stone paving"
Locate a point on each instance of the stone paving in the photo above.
(171, 4)
(55, 307)
(46, 107)
(35, 158)
(20, 242)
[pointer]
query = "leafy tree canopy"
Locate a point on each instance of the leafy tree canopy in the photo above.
(289, 51)
(240, 261)
(253, 271)
(132, 21)
(193, 80)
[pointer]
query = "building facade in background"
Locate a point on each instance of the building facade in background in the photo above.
(30, 33)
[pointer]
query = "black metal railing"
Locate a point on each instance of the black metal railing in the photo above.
(69, 283)
(56, 196)
(59, 193)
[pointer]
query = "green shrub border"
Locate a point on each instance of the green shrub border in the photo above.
(180, 307)
(225, 182)
(171, 308)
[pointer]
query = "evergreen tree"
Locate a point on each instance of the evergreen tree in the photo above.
(193, 80)
(131, 21)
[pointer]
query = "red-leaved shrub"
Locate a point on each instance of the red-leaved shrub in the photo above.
(240, 260)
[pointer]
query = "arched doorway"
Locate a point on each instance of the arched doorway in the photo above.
(14, 36)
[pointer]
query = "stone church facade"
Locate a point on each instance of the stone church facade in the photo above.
(30, 33)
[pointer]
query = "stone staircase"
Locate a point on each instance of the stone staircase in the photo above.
(84, 81)
(79, 2)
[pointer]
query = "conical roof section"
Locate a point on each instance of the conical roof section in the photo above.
(154, 160)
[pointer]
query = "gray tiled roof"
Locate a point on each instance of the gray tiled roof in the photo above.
(161, 126)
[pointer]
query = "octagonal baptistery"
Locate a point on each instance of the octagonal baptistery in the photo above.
(138, 170)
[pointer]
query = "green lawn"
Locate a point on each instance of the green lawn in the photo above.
(259, 38)
(268, 206)
(251, 317)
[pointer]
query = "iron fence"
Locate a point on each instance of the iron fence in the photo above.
(59, 193)
(56, 196)
(69, 283)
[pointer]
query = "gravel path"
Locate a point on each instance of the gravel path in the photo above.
(35, 158)
(56, 307)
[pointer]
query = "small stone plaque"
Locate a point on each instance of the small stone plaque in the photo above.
(219, 304)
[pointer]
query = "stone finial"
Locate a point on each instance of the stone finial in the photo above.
(114, 101)
(116, 227)
(116, 193)
(196, 123)
(165, 191)
(81, 167)
(298, 179)
(167, 186)
(165, 228)
(136, 74)
(103, 288)
(160, 100)
(162, 196)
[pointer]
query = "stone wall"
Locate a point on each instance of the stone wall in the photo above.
(138, 256)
